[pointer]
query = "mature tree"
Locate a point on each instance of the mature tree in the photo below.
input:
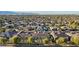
(3, 40)
(60, 40)
(2, 29)
(15, 39)
(73, 24)
(75, 40)
(29, 40)
(50, 37)
(45, 40)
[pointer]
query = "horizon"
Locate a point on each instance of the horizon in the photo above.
(42, 12)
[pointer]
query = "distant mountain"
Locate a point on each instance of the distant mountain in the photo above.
(16, 13)
(56, 12)
(7, 13)
(39, 12)
(26, 13)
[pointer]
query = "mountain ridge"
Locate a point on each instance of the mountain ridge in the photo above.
(39, 12)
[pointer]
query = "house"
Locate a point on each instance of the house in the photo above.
(53, 28)
(9, 25)
(39, 28)
(57, 34)
(62, 34)
(10, 33)
(2, 34)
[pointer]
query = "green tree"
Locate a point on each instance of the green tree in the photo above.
(60, 40)
(15, 39)
(50, 37)
(73, 24)
(75, 40)
(2, 29)
(3, 40)
(29, 40)
(45, 40)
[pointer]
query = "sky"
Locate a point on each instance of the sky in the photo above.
(39, 5)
